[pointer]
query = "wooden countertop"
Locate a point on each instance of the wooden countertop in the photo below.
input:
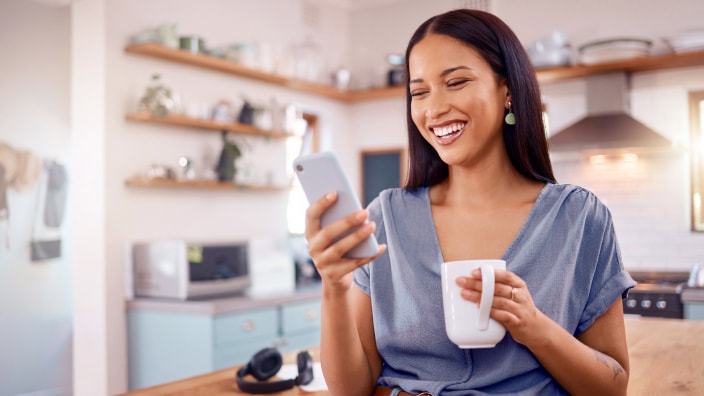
(666, 357)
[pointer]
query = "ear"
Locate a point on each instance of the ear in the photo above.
(504, 86)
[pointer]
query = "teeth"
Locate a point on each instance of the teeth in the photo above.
(448, 129)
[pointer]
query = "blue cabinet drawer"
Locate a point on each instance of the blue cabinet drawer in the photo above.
(167, 346)
(300, 316)
(241, 327)
(300, 341)
(240, 353)
(694, 311)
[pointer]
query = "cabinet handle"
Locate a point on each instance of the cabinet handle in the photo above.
(311, 314)
(280, 342)
(248, 325)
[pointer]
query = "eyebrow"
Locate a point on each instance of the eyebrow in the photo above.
(443, 74)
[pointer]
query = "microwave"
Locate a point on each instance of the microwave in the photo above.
(183, 270)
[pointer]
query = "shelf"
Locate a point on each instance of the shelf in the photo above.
(208, 125)
(544, 75)
(222, 65)
(199, 184)
(648, 63)
(364, 95)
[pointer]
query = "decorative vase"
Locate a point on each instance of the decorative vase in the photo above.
(225, 168)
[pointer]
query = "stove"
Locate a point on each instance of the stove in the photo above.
(657, 294)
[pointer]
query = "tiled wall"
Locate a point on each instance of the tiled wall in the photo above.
(649, 201)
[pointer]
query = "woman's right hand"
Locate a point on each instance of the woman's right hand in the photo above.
(335, 269)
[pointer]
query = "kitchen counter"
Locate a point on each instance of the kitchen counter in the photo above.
(665, 358)
(691, 295)
(171, 339)
(219, 306)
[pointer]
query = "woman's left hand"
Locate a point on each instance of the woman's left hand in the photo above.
(512, 306)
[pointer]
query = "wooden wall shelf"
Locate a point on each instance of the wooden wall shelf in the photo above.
(222, 65)
(545, 75)
(207, 125)
(199, 184)
(648, 63)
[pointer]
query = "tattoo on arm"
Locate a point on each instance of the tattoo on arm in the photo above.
(609, 362)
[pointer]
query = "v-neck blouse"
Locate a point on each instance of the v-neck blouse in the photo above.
(526, 224)
(566, 252)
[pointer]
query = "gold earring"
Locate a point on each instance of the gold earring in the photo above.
(510, 117)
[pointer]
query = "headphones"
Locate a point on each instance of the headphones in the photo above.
(265, 364)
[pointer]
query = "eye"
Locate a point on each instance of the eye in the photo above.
(457, 83)
(418, 92)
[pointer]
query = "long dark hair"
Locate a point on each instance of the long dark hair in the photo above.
(525, 141)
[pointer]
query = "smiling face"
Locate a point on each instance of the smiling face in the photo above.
(457, 101)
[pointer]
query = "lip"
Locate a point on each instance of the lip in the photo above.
(450, 138)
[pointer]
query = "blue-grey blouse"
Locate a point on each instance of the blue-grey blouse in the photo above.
(566, 252)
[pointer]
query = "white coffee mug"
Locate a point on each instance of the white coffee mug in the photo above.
(467, 325)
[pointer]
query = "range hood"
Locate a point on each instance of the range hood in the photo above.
(607, 125)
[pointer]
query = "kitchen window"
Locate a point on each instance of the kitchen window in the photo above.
(305, 142)
(696, 147)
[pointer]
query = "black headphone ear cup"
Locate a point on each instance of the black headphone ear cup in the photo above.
(305, 368)
(265, 364)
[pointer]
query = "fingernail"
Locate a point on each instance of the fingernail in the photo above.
(330, 196)
(461, 281)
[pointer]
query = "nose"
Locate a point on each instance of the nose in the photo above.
(436, 105)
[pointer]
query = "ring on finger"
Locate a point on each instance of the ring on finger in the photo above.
(513, 294)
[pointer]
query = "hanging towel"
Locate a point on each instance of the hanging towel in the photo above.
(4, 208)
(55, 202)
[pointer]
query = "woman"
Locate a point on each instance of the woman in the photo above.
(480, 186)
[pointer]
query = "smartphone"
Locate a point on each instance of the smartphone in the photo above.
(320, 173)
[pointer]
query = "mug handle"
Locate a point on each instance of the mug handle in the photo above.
(487, 296)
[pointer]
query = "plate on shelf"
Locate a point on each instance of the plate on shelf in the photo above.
(613, 50)
(686, 41)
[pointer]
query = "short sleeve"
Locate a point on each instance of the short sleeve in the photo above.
(610, 280)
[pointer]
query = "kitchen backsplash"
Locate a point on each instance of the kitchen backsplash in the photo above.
(648, 199)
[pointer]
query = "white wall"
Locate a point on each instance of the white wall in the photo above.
(94, 364)
(378, 31)
(35, 296)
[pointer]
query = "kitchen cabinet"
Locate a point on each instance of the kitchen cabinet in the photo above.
(300, 325)
(693, 301)
(173, 340)
(694, 311)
